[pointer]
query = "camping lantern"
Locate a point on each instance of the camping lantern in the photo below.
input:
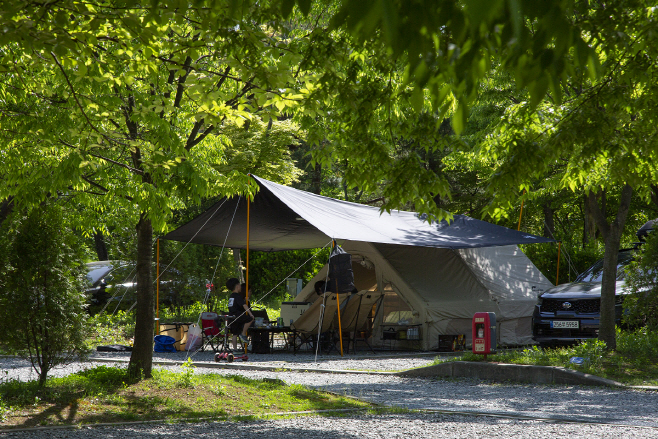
(484, 333)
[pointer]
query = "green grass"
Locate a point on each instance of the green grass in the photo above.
(104, 394)
(635, 362)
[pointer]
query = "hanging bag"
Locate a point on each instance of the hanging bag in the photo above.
(193, 338)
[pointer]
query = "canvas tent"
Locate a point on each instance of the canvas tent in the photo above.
(441, 289)
(439, 272)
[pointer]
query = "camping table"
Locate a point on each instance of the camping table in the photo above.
(391, 334)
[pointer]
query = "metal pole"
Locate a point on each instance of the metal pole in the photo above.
(248, 219)
(340, 330)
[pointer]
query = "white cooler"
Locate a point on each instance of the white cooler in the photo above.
(291, 311)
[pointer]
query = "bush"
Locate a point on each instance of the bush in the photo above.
(42, 307)
(641, 307)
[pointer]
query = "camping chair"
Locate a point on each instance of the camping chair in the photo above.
(209, 330)
(362, 330)
(217, 331)
(306, 326)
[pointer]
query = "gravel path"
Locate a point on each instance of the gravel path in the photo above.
(628, 407)
(404, 426)
(378, 362)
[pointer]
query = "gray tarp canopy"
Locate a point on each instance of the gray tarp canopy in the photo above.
(283, 218)
(442, 272)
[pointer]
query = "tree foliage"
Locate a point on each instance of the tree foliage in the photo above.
(42, 307)
(641, 305)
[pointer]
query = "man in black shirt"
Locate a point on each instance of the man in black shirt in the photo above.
(238, 307)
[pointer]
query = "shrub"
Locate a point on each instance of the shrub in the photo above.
(42, 307)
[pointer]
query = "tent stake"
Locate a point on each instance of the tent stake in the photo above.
(557, 278)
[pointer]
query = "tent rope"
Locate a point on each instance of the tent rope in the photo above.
(566, 254)
(117, 292)
(221, 253)
(324, 295)
(194, 236)
(274, 288)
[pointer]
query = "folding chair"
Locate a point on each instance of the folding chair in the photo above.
(210, 330)
(217, 331)
(305, 328)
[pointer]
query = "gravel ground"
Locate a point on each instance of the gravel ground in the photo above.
(383, 361)
(628, 407)
(412, 425)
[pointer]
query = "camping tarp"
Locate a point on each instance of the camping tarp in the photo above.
(283, 218)
(443, 271)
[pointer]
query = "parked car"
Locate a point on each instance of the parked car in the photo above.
(570, 312)
(115, 282)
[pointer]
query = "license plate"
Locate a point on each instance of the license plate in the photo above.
(565, 324)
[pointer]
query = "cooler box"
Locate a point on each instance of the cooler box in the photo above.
(292, 311)
(178, 331)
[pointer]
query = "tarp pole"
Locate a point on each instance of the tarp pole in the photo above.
(518, 229)
(248, 220)
(340, 329)
(557, 278)
(157, 287)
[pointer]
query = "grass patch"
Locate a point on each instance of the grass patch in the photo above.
(104, 394)
(635, 362)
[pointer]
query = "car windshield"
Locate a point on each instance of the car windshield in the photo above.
(595, 272)
(122, 275)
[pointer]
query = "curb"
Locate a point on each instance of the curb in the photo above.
(245, 366)
(176, 420)
(512, 372)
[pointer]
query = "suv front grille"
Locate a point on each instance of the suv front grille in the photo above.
(577, 306)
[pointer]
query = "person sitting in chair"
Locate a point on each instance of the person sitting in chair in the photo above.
(319, 287)
(238, 307)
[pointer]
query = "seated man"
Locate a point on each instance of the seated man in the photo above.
(320, 287)
(238, 308)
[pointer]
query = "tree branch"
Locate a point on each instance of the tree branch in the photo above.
(114, 162)
(75, 96)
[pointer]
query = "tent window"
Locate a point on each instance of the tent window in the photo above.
(395, 310)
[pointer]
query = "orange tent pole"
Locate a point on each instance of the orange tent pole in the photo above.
(557, 278)
(248, 220)
(520, 215)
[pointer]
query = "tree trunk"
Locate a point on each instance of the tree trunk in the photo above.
(317, 179)
(589, 224)
(43, 376)
(101, 248)
(141, 360)
(549, 221)
(612, 235)
(6, 207)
